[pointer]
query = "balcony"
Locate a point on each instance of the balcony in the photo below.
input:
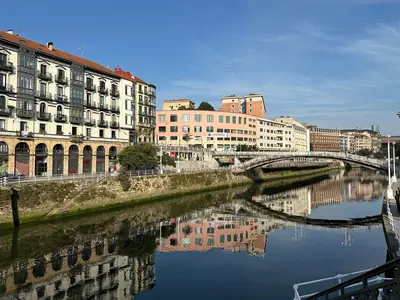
(102, 90)
(151, 93)
(44, 96)
(90, 87)
(22, 134)
(76, 138)
(114, 124)
(62, 80)
(45, 76)
(6, 66)
(90, 104)
(115, 109)
(44, 116)
(75, 120)
(102, 123)
(89, 122)
(6, 112)
(24, 113)
(7, 89)
(103, 106)
(60, 118)
(61, 99)
(114, 93)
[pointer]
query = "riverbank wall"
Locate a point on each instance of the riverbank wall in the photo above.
(49, 201)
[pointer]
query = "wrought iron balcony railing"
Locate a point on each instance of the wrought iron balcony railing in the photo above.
(90, 87)
(75, 120)
(114, 93)
(7, 89)
(76, 138)
(102, 123)
(6, 112)
(45, 75)
(114, 124)
(44, 95)
(61, 118)
(6, 66)
(44, 116)
(102, 90)
(62, 80)
(115, 109)
(61, 99)
(90, 104)
(103, 106)
(89, 122)
(22, 134)
(23, 113)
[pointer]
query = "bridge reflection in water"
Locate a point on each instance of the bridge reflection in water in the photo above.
(122, 263)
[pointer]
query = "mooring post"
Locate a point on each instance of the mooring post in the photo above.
(14, 206)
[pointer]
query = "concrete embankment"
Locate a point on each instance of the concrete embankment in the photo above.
(50, 201)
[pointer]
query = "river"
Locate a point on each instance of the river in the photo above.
(206, 246)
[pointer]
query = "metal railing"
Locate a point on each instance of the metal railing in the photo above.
(360, 286)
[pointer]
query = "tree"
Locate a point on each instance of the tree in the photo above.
(182, 107)
(205, 106)
(246, 148)
(365, 152)
(167, 160)
(137, 157)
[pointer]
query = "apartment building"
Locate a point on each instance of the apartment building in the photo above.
(364, 139)
(325, 140)
(253, 105)
(178, 103)
(347, 142)
(60, 113)
(209, 129)
(301, 137)
(275, 136)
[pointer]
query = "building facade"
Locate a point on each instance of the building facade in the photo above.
(59, 113)
(325, 140)
(275, 136)
(364, 139)
(209, 129)
(300, 136)
(253, 105)
(177, 104)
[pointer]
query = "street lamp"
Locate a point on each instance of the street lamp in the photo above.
(389, 191)
(394, 178)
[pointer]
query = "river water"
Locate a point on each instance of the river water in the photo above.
(208, 246)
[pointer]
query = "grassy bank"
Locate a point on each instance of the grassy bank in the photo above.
(272, 181)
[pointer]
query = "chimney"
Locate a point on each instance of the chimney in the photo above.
(50, 46)
(10, 31)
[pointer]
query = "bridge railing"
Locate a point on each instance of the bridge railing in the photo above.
(371, 284)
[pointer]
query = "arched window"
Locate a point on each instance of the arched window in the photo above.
(101, 116)
(113, 118)
(2, 102)
(88, 115)
(42, 107)
(59, 110)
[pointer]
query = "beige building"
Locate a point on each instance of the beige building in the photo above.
(253, 105)
(63, 114)
(275, 136)
(176, 104)
(300, 135)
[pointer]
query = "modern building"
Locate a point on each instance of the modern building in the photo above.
(325, 140)
(300, 136)
(178, 104)
(209, 129)
(63, 114)
(253, 105)
(275, 135)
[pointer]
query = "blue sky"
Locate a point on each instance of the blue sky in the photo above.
(333, 63)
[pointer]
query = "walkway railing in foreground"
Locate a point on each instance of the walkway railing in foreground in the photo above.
(20, 180)
(371, 284)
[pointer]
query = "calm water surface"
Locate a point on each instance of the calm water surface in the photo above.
(212, 245)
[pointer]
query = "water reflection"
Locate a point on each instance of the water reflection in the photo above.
(114, 256)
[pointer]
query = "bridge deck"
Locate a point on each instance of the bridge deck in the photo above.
(391, 225)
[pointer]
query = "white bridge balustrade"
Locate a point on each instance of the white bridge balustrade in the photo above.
(259, 158)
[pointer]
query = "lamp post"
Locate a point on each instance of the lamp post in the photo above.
(394, 178)
(389, 191)
(178, 169)
(161, 155)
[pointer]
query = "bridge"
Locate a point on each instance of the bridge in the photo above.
(258, 159)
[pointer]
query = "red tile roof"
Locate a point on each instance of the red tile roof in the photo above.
(128, 75)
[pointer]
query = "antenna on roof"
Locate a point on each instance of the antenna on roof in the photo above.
(20, 32)
(80, 49)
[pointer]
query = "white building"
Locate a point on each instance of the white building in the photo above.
(273, 135)
(300, 135)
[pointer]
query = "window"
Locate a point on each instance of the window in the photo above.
(161, 118)
(2, 124)
(59, 110)
(222, 238)
(210, 118)
(23, 126)
(42, 88)
(74, 130)
(227, 119)
(128, 90)
(60, 74)
(228, 237)
(59, 130)
(173, 128)
(101, 100)
(210, 129)
(88, 132)
(244, 121)
(197, 128)
(162, 129)
(199, 230)
(126, 104)
(140, 99)
(77, 75)
(235, 237)
(3, 58)
(173, 118)
(2, 102)
(113, 134)
(173, 138)
(185, 129)
(102, 85)
(2, 79)
(60, 91)
(221, 119)
(210, 230)
(89, 81)
(43, 69)
(126, 120)
(210, 242)
(186, 118)
(198, 241)
(197, 118)
(234, 120)
(101, 133)
(88, 98)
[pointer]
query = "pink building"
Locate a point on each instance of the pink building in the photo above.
(204, 235)
(210, 129)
